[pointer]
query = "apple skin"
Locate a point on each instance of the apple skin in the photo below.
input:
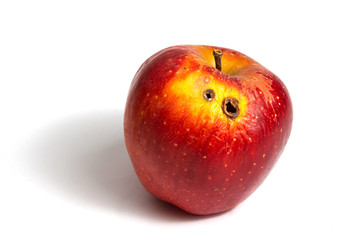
(185, 150)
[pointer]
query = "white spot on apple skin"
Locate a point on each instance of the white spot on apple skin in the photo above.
(175, 145)
(254, 163)
(165, 95)
(264, 155)
(156, 96)
(277, 97)
(147, 94)
(204, 157)
(164, 123)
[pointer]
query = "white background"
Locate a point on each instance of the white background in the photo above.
(65, 69)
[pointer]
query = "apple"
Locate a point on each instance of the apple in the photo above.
(204, 126)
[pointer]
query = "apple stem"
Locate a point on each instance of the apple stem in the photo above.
(217, 55)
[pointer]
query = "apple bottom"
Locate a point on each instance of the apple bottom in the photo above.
(198, 186)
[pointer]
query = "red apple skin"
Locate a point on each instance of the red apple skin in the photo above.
(184, 149)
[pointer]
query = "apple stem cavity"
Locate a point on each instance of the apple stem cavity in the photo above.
(217, 55)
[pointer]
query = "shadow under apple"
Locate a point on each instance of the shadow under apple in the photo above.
(85, 158)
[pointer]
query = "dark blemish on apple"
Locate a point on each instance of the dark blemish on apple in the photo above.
(208, 94)
(230, 107)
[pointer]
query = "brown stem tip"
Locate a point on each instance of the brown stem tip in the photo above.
(217, 55)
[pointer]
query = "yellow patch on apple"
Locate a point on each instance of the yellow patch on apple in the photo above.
(188, 88)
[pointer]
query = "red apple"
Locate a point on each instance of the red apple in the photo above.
(204, 126)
